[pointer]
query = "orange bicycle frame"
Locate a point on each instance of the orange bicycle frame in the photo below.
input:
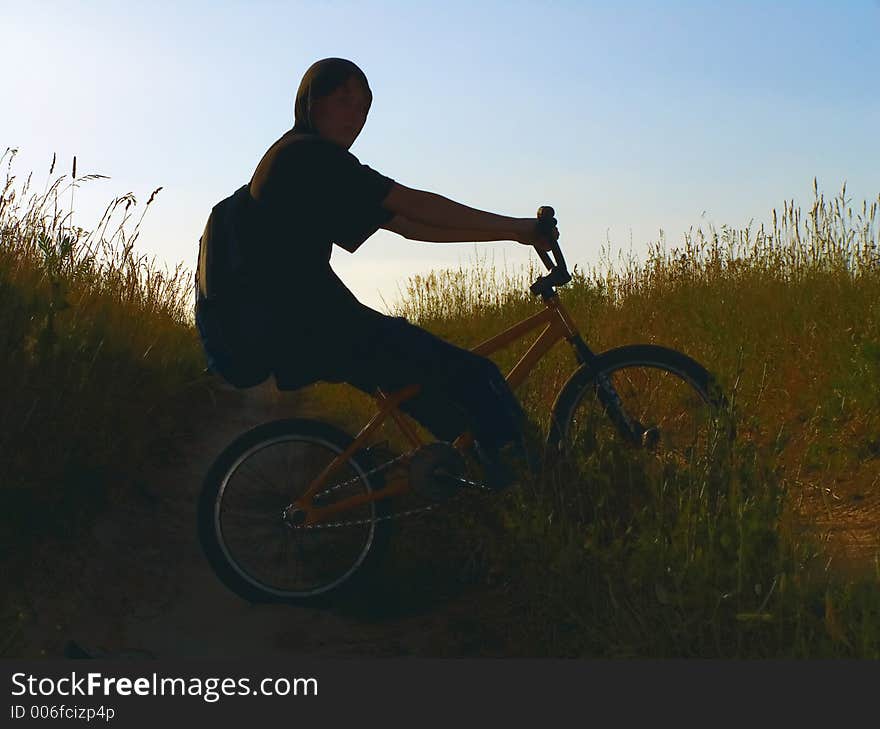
(558, 325)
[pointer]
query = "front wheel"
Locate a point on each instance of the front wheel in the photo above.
(251, 545)
(679, 422)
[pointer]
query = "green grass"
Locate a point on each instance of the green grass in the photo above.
(755, 558)
(752, 562)
(101, 368)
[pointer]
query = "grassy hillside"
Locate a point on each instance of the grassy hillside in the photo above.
(776, 554)
(100, 372)
(785, 562)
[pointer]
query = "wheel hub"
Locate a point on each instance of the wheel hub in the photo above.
(294, 516)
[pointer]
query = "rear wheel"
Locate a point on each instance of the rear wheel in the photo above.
(262, 554)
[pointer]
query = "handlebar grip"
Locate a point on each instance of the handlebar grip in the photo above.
(547, 219)
(544, 212)
(559, 275)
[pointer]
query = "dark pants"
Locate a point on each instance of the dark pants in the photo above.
(460, 390)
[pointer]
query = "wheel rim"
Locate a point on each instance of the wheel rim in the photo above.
(264, 550)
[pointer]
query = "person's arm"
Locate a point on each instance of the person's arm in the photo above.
(444, 220)
(414, 230)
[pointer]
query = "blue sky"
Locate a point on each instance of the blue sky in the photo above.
(626, 117)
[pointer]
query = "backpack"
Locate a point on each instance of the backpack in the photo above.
(228, 311)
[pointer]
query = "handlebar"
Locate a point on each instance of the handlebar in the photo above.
(558, 272)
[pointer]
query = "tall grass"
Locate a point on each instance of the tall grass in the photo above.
(773, 555)
(98, 344)
(778, 555)
(101, 374)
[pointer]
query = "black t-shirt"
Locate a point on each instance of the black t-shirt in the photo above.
(307, 194)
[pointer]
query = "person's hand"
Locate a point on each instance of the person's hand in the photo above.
(541, 239)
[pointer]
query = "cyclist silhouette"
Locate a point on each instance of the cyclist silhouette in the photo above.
(309, 192)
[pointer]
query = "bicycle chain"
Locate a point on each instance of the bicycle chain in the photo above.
(398, 515)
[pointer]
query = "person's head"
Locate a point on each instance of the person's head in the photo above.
(332, 101)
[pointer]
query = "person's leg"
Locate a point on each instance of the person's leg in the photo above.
(460, 390)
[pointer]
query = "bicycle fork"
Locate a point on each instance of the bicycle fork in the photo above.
(632, 431)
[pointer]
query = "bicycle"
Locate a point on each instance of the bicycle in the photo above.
(329, 508)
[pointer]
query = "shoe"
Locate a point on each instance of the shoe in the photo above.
(505, 467)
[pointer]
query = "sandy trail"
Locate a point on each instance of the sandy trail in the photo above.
(141, 585)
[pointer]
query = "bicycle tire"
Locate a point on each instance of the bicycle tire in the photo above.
(247, 581)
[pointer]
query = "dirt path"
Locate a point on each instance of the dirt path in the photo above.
(141, 585)
(844, 515)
